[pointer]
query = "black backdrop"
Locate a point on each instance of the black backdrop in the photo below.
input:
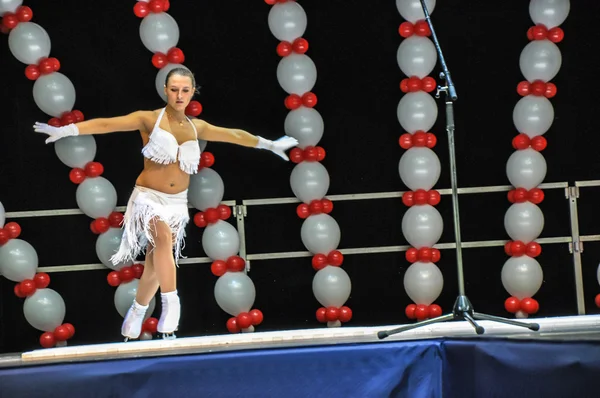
(353, 43)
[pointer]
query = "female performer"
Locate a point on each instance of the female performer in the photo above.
(157, 211)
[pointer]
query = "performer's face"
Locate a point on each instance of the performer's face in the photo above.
(179, 92)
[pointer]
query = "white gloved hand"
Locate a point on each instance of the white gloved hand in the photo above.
(55, 133)
(278, 146)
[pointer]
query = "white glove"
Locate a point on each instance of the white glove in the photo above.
(55, 133)
(279, 146)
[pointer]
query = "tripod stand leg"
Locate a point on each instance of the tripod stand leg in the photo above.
(478, 329)
(531, 326)
(385, 333)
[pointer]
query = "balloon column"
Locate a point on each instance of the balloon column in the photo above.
(54, 94)
(234, 291)
(309, 180)
(419, 166)
(44, 308)
(533, 115)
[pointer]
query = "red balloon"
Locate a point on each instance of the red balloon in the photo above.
(140, 9)
(218, 267)
(335, 258)
(507, 248)
(421, 312)
(297, 155)
(327, 206)
(55, 64)
(166, 5)
(421, 197)
(155, 6)
(406, 141)
(77, 175)
(512, 305)
(224, 212)
(244, 320)
(175, 56)
(404, 85)
(556, 35)
(315, 207)
(194, 108)
(27, 287)
(200, 220)
(235, 264)
(422, 28)
(70, 328)
(434, 197)
(520, 195)
(530, 33)
(284, 49)
(598, 301)
(550, 90)
(538, 88)
(78, 115)
(536, 196)
(270, 2)
(41, 280)
(309, 100)
(4, 236)
(539, 32)
(303, 211)
(539, 143)
(207, 159)
(67, 118)
(102, 224)
(320, 153)
(47, 340)
(257, 317)
(428, 84)
(292, 101)
(322, 314)
(55, 122)
(414, 84)
(345, 314)
(13, 229)
(530, 305)
(46, 66)
(17, 291)
(406, 29)
(511, 196)
(310, 154)
(115, 219)
(412, 255)
(150, 325)
(410, 311)
(211, 215)
(435, 255)
(517, 248)
(300, 45)
(113, 278)
(94, 169)
(425, 254)
(159, 60)
(534, 249)
(319, 261)
(10, 21)
(126, 274)
(408, 198)
(523, 88)
(332, 314)
(521, 141)
(232, 325)
(61, 333)
(24, 14)
(419, 139)
(431, 140)
(32, 72)
(138, 270)
(435, 311)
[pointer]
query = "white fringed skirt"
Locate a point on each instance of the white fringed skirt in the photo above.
(145, 207)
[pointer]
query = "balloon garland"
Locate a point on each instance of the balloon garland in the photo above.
(419, 166)
(540, 61)
(234, 290)
(309, 180)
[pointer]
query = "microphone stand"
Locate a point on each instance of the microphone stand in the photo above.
(462, 310)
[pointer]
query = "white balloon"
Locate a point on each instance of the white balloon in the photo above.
(526, 168)
(296, 74)
(235, 293)
(533, 115)
(419, 168)
(550, 13)
(331, 286)
(598, 274)
(320, 233)
(2, 215)
(540, 60)
(521, 315)
(220, 240)
(309, 181)
(422, 226)
(287, 21)
(54, 94)
(206, 189)
(9, 6)
(96, 197)
(76, 151)
(124, 296)
(18, 260)
(161, 77)
(306, 125)
(44, 310)
(423, 282)
(29, 43)
(107, 244)
(412, 10)
(417, 111)
(159, 32)
(416, 56)
(522, 276)
(524, 222)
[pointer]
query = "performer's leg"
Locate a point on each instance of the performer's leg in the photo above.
(147, 287)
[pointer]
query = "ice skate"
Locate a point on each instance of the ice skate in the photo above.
(169, 317)
(132, 324)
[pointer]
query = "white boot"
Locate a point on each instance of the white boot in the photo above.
(169, 317)
(132, 324)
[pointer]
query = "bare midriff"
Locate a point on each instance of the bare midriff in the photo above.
(167, 178)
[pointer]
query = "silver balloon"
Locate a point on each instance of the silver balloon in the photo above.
(412, 10)
(287, 21)
(107, 245)
(309, 181)
(96, 197)
(533, 115)
(320, 233)
(145, 336)
(304, 124)
(235, 293)
(161, 76)
(159, 32)
(423, 282)
(76, 151)
(331, 286)
(416, 56)
(526, 168)
(54, 94)
(220, 240)
(29, 43)
(124, 296)
(522, 276)
(419, 168)
(598, 274)
(524, 222)
(422, 226)
(521, 315)
(2, 215)
(18, 260)
(550, 13)
(9, 6)
(44, 310)
(540, 60)
(417, 111)
(206, 189)
(296, 74)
